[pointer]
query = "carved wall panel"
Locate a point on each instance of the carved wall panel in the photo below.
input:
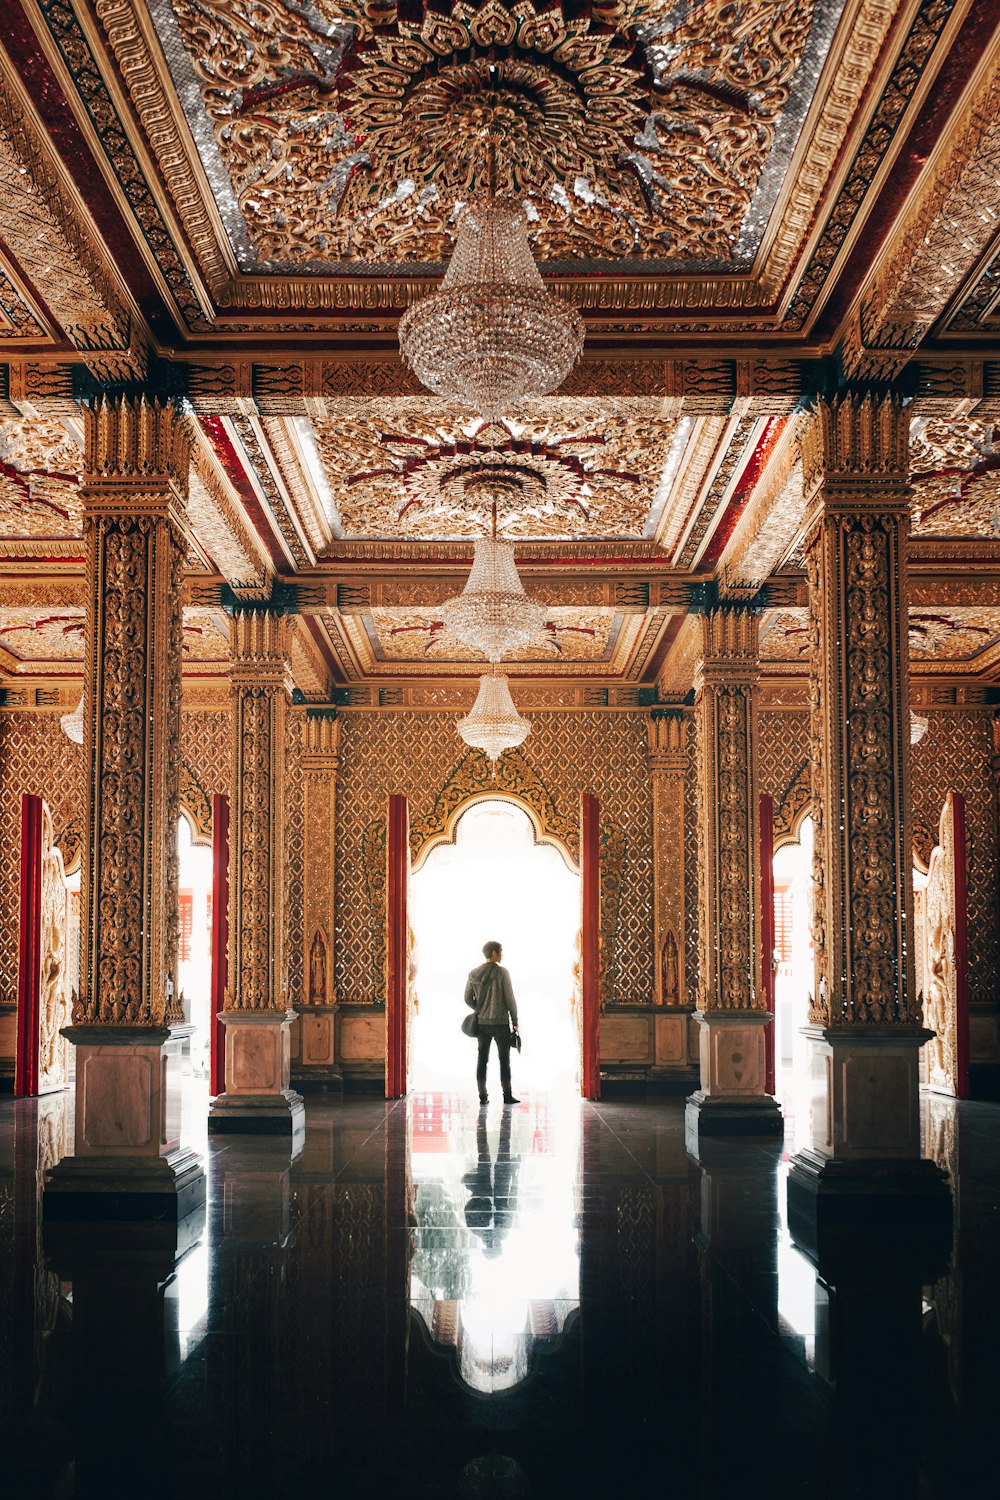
(417, 754)
(668, 766)
(54, 1001)
(954, 755)
(293, 874)
(943, 982)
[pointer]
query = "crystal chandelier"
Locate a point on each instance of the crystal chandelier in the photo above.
(493, 614)
(918, 727)
(494, 724)
(72, 723)
(492, 335)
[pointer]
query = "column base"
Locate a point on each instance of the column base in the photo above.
(140, 1188)
(889, 1213)
(282, 1113)
(308, 1078)
(708, 1115)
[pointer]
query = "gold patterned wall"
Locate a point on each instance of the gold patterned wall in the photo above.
(783, 764)
(415, 753)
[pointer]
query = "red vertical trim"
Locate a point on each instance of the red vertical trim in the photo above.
(396, 958)
(961, 948)
(220, 941)
(590, 945)
(766, 844)
(29, 958)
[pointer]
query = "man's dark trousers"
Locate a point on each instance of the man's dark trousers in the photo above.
(501, 1035)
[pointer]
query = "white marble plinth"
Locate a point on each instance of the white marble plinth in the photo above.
(128, 1160)
(733, 1098)
(259, 1097)
(864, 1093)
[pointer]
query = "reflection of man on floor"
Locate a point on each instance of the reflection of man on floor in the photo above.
(492, 1188)
(489, 992)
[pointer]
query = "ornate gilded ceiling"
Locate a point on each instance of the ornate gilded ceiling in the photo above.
(229, 204)
(635, 130)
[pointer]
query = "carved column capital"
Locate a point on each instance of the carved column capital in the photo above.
(666, 729)
(136, 447)
(855, 456)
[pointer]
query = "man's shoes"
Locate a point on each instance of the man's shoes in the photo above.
(509, 1099)
(484, 1098)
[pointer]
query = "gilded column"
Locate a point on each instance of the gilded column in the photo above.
(127, 1097)
(732, 1009)
(317, 1013)
(257, 1016)
(668, 761)
(865, 1018)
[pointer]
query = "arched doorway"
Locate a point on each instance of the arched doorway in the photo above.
(495, 879)
(194, 948)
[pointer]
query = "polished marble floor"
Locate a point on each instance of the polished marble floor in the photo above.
(436, 1301)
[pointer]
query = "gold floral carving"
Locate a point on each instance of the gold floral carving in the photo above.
(668, 763)
(631, 133)
(727, 810)
(55, 251)
(40, 469)
(941, 238)
(939, 1058)
(854, 459)
(584, 467)
(770, 524)
(259, 685)
(133, 492)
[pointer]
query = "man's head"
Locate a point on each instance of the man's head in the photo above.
(492, 952)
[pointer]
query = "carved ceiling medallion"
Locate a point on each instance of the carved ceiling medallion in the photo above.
(559, 469)
(350, 131)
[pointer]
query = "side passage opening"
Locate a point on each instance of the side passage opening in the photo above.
(495, 882)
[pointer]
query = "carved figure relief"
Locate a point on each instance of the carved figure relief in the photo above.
(53, 993)
(318, 969)
(945, 959)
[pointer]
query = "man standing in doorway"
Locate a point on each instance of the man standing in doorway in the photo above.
(489, 993)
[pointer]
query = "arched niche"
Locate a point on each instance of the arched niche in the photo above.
(516, 781)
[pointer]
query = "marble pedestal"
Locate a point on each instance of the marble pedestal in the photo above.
(316, 1064)
(128, 1161)
(732, 1099)
(259, 1098)
(862, 1173)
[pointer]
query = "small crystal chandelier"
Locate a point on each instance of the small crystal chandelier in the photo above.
(492, 335)
(494, 724)
(72, 723)
(493, 614)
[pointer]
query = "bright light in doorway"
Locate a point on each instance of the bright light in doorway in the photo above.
(495, 882)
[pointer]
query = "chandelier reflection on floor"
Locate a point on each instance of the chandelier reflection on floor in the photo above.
(491, 336)
(493, 725)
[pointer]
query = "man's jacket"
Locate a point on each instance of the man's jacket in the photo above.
(489, 993)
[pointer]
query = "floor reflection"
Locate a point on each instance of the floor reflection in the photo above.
(496, 1254)
(429, 1301)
